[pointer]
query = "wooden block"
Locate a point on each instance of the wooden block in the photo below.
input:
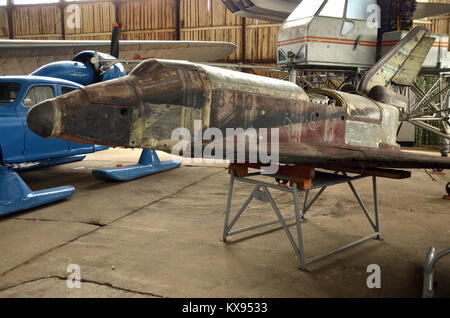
(302, 184)
(239, 170)
(297, 171)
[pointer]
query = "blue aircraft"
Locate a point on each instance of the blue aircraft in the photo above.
(21, 149)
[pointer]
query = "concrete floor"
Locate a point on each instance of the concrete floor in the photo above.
(160, 236)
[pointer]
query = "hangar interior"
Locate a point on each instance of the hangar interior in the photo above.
(163, 235)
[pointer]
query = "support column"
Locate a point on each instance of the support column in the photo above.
(244, 40)
(62, 7)
(178, 21)
(10, 8)
(117, 5)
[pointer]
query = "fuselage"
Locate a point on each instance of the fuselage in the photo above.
(143, 109)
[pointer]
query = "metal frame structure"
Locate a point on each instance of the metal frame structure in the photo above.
(428, 273)
(426, 109)
(322, 181)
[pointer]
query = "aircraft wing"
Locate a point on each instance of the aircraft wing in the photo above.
(269, 10)
(426, 10)
(342, 156)
(278, 11)
(18, 57)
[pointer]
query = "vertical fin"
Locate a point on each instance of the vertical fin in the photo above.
(401, 64)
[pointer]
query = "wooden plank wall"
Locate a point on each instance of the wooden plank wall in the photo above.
(148, 20)
(439, 24)
(37, 22)
(207, 20)
(4, 29)
(96, 22)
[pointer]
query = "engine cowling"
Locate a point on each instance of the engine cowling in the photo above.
(81, 70)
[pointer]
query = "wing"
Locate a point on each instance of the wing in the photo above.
(335, 156)
(278, 11)
(19, 57)
(426, 10)
(269, 10)
(401, 64)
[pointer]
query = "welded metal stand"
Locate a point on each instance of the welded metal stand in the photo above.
(149, 163)
(428, 273)
(321, 181)
(16, 196)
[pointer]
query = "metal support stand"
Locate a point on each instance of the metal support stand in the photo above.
(321, 181)
(149, 163)
(428, 273)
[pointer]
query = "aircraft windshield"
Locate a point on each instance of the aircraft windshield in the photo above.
(306, 9)
(334, 9)
(9, 92)
(360, 9)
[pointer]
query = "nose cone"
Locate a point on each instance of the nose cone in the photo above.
(41, 119)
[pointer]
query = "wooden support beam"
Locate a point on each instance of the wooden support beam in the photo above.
(62, 6)
(244, 40)
(117, 4)
(178, 20)
(302, 183)
(239, 170)
(10, 8)
(302, 176)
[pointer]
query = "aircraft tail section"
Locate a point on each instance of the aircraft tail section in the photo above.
(401, 64)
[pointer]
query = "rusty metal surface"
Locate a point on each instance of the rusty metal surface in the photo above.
(143, 109)
(386, 96)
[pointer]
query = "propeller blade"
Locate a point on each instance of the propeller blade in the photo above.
(115, 41)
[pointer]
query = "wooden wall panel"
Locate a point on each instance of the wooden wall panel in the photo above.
(96, 22)
(37, 22)
(4, 29)
(261, 42)
(148, 20)
(207, 20)
(439, 24)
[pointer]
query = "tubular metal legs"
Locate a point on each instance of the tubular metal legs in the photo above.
(298, 215)
(428, 273)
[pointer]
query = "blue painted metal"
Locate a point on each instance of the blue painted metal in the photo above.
(45, 163)
(80, 70)
(115, 71)
(18, 144)
(21, 149)
(16, 196)
(72, 71)
(149, 163)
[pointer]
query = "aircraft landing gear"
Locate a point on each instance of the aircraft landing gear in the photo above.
(16, 196)
(149, 163)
